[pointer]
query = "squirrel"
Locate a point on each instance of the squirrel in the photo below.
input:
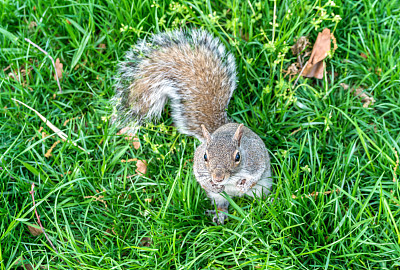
(197, 74)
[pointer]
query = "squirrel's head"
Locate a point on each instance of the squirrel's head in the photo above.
(223, 154)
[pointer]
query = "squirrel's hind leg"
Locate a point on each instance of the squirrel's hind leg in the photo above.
(222, 204)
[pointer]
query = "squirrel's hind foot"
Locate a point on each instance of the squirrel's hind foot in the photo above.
(219, 217)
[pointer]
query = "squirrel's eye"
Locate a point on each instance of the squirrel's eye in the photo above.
(237, 157)
(205, 157)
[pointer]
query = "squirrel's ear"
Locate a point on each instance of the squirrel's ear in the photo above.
(238, 134)
(206, 134)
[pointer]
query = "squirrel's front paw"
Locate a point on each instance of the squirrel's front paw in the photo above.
(242, 185)
(218, 218)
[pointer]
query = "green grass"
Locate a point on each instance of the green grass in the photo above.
(319, 135)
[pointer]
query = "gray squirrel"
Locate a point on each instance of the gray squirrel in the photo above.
(195, 72)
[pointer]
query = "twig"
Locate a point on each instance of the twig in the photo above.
(315, 194)
(51, 58)
(301, 72)
(59, 133)
(38, 217)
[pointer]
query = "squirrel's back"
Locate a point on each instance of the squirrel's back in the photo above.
(191, 68)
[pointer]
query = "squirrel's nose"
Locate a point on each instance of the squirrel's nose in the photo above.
(218, 176)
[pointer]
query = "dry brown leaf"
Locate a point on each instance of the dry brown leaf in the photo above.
(98, 198)
(297, 49)
(12, 75)
(345, 86)
(148, 200)
(363, 55)
(66, 121)
(315, 194)
(129, 160)
(334, 43)
(315, 65)
(66, 20)
(130, 137)
(31, 139)
(123, 131)
(145, 242)
(48, 153)
(136, 143)
(295, 131)
(365, 99)
(25, 266)
(35, 231)
(67, 173)
(59, 69)
(141, 167)
(32, 25)
(7, 68)
(291, 71)
(301, 44)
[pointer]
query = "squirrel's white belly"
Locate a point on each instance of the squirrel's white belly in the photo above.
(232, 190)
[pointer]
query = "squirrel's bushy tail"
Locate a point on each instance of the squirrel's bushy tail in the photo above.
(191, 68)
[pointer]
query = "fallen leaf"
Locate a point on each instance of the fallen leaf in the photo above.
(25, 266)
(136, 143)
(12, 75)
(295, 131)
(48, 153)
(297, 49)
(345, 86)
(291, 71)
(98, 198)
(334, 43)
(129, 160)
(365, 99)
(315, 194)
(145, 242)
(130, 137)
(59, 69)
(35, 231)
(141, 167)
(67, 173)
(363, 55)
(32, 25)
(315, 65)
(123, 131)
(301, 44)
(7, 68)
(28, 267)
(148, 200)
(66, 121)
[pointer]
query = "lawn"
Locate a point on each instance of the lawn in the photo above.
(335, 158)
